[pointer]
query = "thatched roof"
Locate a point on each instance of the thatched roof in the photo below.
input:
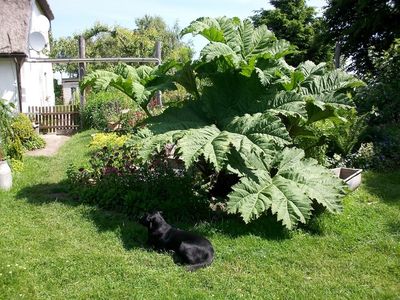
(46, 9)
(15, 17)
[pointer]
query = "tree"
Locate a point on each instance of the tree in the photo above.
(66, 47)
(118, 41)
(361, 26)
(297, 23)
(383, 91)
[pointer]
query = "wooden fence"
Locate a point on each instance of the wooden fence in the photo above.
(59, 118)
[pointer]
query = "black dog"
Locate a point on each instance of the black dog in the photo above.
(194, 250)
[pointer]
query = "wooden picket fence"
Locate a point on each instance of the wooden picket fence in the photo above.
(58, 118)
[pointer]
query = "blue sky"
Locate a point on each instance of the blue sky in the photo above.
(72, 16)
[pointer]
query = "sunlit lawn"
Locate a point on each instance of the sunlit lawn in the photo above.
(53, 247)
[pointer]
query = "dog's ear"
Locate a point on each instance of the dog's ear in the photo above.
(149, 218)
(143, 219)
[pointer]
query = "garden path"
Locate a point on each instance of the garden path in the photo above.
(53, 144)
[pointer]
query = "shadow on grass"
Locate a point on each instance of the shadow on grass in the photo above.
(394, 228)
(134, 235)
(233, 226)
(384, 185)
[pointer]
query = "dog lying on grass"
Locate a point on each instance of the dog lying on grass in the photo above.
(191, 249)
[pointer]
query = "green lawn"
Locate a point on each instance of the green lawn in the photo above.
(54, 248)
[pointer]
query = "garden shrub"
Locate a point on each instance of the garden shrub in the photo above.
(385, 141)
(17, 165)
(15, 149)
(16, 134)
(103, 107)
(5, 127)
(382, 94)
(23, 130)
(381, 97)
(334, 138)
(115, 179)
(109, 140)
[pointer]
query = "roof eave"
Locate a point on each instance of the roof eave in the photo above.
(44, 5)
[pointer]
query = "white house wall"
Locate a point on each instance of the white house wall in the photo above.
(8, 81)
(67, 91)
(37, 86)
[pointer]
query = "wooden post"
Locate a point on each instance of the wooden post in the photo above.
(18, 64)
(158, 55)
(82, 66)
(337, 55)
(82, 69)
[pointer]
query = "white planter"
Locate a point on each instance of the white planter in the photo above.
(5, 176)
(352, 177)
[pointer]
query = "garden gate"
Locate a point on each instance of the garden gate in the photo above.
(58, 118)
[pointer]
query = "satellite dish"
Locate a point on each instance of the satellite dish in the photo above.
(43, 23)
(37, 41)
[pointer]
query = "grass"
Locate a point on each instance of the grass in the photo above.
(55, 248)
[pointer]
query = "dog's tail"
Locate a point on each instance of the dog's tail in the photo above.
(206, 263)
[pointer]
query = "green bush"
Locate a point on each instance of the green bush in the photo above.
(110, 140)
(382, 94)
(380, 150)
(103, 107)
(5, 127)
(381, 97)
(386, 144)
(15, 148)
(23, 130)
(117, 180)
(17, 165)
(22, 127)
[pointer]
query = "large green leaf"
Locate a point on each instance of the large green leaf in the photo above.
(308, 68)
(259, 132)
(216, 146)
(217, 49)
(331, 81)
(328, 88)
(254, 41)
(261, 128)
(178, 118)
(154, 144)
(209, 28)
(287, 103)
(287, 187)
(248, 197)
(186, 77)
(234, 38)
(99, 80)
(209, 142)
(140, 84)
(127, 71)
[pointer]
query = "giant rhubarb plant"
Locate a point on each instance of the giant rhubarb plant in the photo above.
(246, 108)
